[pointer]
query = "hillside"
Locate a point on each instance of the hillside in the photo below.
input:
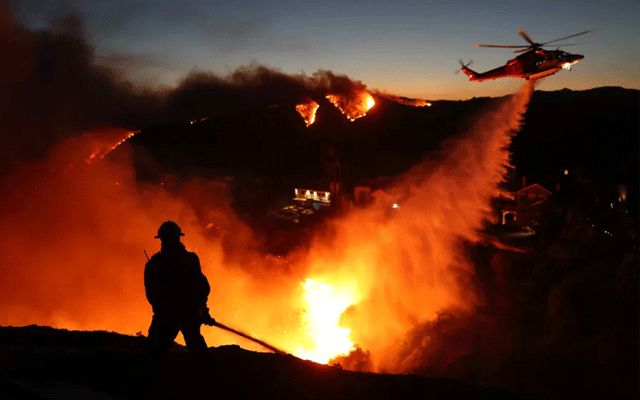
(45, 363)
(594, 130)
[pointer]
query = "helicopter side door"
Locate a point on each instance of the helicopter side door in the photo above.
(513, 67)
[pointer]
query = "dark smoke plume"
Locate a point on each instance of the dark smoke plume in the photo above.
(206, 94)
(51, 87)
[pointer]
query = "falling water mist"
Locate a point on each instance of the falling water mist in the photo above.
(407, 265)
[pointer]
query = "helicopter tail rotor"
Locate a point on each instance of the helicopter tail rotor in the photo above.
(463, 65)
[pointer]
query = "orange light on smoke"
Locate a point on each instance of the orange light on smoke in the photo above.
(353, 106)
(307, 111)
(405, 100)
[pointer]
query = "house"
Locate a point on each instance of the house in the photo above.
(530, 202)
(524, 207)
(312, 196)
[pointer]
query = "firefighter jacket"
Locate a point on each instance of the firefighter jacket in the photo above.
(174, 282)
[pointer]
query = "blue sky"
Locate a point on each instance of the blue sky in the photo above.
(406, 48)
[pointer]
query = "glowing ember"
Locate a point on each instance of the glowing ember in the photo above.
(353, 106)
(325, 304)
(194, 121)
(307, 111)
(101, 152)
(420, 103)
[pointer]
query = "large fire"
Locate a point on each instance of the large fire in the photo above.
(73, 263)
(324, 305)
(353, 105)
(307, 111)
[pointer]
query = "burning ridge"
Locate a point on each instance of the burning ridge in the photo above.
(405, 100)
(307, 111)
(353, 106)
(52, 88)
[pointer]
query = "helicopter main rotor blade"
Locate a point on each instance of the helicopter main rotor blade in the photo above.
(570, 36)
(526, 37)
(500, 46)
(568, 44)
(557, 47)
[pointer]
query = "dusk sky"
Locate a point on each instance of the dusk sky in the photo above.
(405, 48)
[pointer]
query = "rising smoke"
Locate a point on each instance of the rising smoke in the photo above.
(53, 88)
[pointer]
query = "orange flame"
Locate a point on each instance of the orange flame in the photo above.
(353, 106)
(102, 149)
(307, 111)
(325, 304)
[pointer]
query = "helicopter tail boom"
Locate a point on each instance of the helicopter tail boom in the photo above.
(473, 75)
(464, 68)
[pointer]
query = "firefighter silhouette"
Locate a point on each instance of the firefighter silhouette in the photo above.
(177, 291)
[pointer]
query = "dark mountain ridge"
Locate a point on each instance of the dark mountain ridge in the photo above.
(595, 131)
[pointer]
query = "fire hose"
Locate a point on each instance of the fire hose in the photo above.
(246, 336)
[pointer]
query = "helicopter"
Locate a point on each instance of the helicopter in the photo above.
(534, 63)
